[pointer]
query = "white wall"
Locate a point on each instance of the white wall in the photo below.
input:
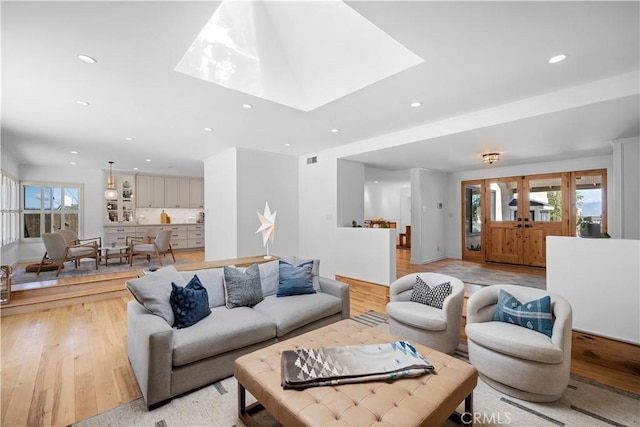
(357, 247)
(220, 206)
(605, 300)
(390, 200)
(626, 188)
(238, 182)
(350, 193)
(428, 212)
(453, 211)
(273, 178)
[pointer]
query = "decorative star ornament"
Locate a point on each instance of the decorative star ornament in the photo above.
(268, 224)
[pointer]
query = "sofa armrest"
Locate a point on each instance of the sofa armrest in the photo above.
(339, 290)
(150, 349)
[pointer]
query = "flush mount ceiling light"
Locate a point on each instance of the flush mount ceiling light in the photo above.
(416, 104)
(490, 157)
(558, 58)
(83, 103)
(87, 59)
(111, 193)
(230, 51)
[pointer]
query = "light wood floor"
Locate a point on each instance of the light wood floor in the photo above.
(66, 364)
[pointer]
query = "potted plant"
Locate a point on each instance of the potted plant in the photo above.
(587, 227)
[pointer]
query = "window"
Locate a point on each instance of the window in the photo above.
(10, 211)
(48, 207)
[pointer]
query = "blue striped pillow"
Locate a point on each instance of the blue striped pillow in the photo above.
(534, 315)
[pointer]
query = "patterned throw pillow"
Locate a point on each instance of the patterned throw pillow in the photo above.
(242, 288)
(433, 296)
(534, 315)
(190, 304)
(295, 280)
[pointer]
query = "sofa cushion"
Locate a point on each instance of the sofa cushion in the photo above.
(213, 281)
(269, 277)
(242, 288)
(298, 310)
(534, 315)
(295, 280)
(418, 315)
(426, 294)
(154, 290)
(190, 303)
(222, 331)
(514, 341)
(315, 271)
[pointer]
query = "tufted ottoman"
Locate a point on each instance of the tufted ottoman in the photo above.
(428, 400)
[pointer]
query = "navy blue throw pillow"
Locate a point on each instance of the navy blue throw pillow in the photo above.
(295, 280)
(190, 304)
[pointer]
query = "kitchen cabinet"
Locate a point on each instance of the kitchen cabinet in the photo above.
(195, 236)
(176, 192)
(196, 193)
(150, 191)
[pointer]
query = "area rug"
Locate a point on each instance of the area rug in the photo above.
(584, 403)
(87, 267)
(488, 276)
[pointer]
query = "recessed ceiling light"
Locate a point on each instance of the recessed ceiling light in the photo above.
(335, 130)
(72, 163)
(557, 58)
(128, 138)
(287, 145)
(416, 104)
(74, 152)
(135, 169)
(247, 106)
(83, 103)
(375, 182)
(208, 129)
(87, 59)
(147, 160)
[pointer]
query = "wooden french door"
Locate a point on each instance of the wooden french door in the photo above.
(520, 212)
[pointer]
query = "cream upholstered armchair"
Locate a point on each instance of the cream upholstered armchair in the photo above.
(58, 252)
(437, 328)
(516, 360)
(159, 246)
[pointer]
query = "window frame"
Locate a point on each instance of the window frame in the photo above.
(63, 186)
(9, 209)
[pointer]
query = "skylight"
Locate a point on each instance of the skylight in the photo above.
(300, 54)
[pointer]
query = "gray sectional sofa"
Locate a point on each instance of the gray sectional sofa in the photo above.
(168, 362)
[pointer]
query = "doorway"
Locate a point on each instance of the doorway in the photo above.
(508, 219)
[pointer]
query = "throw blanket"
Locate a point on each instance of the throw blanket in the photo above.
(311, 367)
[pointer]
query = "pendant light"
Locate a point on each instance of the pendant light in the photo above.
(112, 192)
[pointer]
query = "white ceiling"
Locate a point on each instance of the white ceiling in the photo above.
(477, 55)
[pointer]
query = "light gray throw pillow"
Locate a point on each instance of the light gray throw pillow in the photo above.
(269, 277)
(153, 291)
(242, 289)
